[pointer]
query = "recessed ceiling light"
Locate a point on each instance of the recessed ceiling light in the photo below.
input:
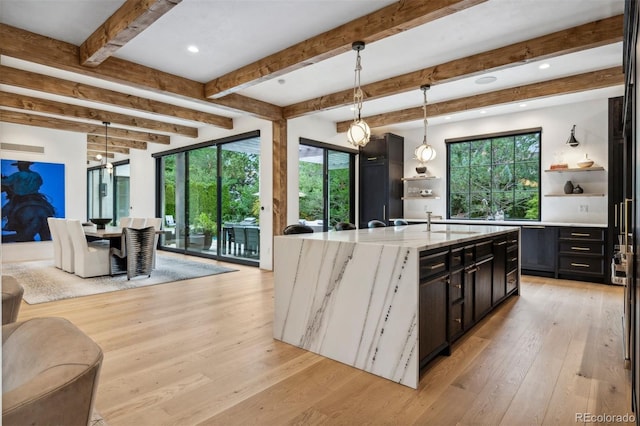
(523, 105)
(282, 81)
(544, 66)
(193, 49)
(486, 80)
(448, 117)
(484, 111)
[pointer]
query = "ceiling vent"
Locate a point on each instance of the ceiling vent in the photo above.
(22, 148)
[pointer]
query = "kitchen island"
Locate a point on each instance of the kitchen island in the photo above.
(388, 300)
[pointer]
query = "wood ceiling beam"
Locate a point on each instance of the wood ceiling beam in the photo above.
(76, 126)
(91, 154)
(28, 46)
(100, 148)
(57, 86)
(117, 143)
(390, 20)
(560, 86)
(132, 18)
(30, 103)
(587, 36)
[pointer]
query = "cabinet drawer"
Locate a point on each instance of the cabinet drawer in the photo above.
(582, 233)
(582, 247)
(484, 250)
(457, 258)
(469, 255)
(582, 265)
(432, 264)
(512, 261)
(512, 281)
(455, 287)
(455, 320)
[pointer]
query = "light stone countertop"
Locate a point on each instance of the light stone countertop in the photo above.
(509, 223)
(411, 236)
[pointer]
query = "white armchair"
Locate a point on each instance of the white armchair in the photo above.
(89, 261)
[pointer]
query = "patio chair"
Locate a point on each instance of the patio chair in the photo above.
(253, 239)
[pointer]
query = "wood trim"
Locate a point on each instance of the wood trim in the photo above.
(587, 36)
(385, 22)
(28, 46)
(577, 83)
(30, 103)
(279, 176)
(58, 86)
(76, 126)
(91, 154)
(132, 18)
(116, 143)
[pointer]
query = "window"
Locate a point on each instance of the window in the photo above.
(108, 193)
(494, 176)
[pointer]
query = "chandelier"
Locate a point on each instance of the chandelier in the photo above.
(359, 132)
(424, 152)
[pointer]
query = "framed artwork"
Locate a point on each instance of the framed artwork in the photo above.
(31, 192)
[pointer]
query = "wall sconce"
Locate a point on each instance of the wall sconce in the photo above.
(572, 141)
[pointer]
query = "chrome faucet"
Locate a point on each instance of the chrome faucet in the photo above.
(428, 221)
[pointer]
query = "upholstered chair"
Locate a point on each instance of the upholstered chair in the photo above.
(50, 372)
(137, 222)
(55, 237)
(297, 228)
(88, 261)
(12, 293)
(66, 247)
(125, 222)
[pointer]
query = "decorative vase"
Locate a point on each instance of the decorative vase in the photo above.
(568, 187)
(421, 170)
(578, 190)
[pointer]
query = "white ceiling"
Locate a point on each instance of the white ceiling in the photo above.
(233, 33)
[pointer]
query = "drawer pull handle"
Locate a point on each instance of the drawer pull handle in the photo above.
(581, 265)
(513, 259)
(436, 266)
(457, 285)
(501, 243)
(372, 158)
(470, 271)
(458, 320)
(580, 234)
(581, 248)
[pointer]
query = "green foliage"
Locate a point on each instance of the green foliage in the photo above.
(206, 223)
(503, 171)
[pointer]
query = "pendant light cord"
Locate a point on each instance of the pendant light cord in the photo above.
(357, 91)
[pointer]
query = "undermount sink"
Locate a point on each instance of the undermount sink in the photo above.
(444, 231)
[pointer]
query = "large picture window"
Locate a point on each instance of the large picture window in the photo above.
(494, 176)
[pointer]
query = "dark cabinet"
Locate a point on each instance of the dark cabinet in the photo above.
(581, 253)
(381, 167)
(483, 288)
(433, 318)
(499, 269)
(469, 289)
(539, 251)
(456, 304)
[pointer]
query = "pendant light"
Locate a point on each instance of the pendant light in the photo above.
(359, 132)
(572, 141)
(107, 165)
(424, 152)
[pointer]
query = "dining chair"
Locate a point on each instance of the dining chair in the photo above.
(138, 250)
(156, 222)
(125, 222)
(66, 247)
(138, 223)
(88, 261)
(253, 239)
(57, 247)
(240, 238)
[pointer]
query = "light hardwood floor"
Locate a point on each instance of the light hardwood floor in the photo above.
(201, 352)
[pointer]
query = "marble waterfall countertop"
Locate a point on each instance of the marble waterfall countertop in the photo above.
(507, 222)
(353, 295)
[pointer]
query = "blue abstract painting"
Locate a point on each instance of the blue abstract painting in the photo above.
(31, 192)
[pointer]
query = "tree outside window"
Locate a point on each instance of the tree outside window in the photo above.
(497, 175)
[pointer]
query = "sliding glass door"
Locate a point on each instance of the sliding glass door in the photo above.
(209, 199)
(326, 185)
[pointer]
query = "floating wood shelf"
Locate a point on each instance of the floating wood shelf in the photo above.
(420, 197)
(577, 169)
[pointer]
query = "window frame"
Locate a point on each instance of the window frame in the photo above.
(483, 139)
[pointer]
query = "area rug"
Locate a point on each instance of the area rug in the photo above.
(43, 282)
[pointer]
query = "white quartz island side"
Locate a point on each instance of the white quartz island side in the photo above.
(353, 296)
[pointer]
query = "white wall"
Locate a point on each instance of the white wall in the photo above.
(591, 120)
(60, 146)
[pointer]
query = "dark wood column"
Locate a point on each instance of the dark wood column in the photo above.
(279, 176)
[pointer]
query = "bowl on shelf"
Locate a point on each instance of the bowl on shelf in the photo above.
(585, 163)
(100, 221)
